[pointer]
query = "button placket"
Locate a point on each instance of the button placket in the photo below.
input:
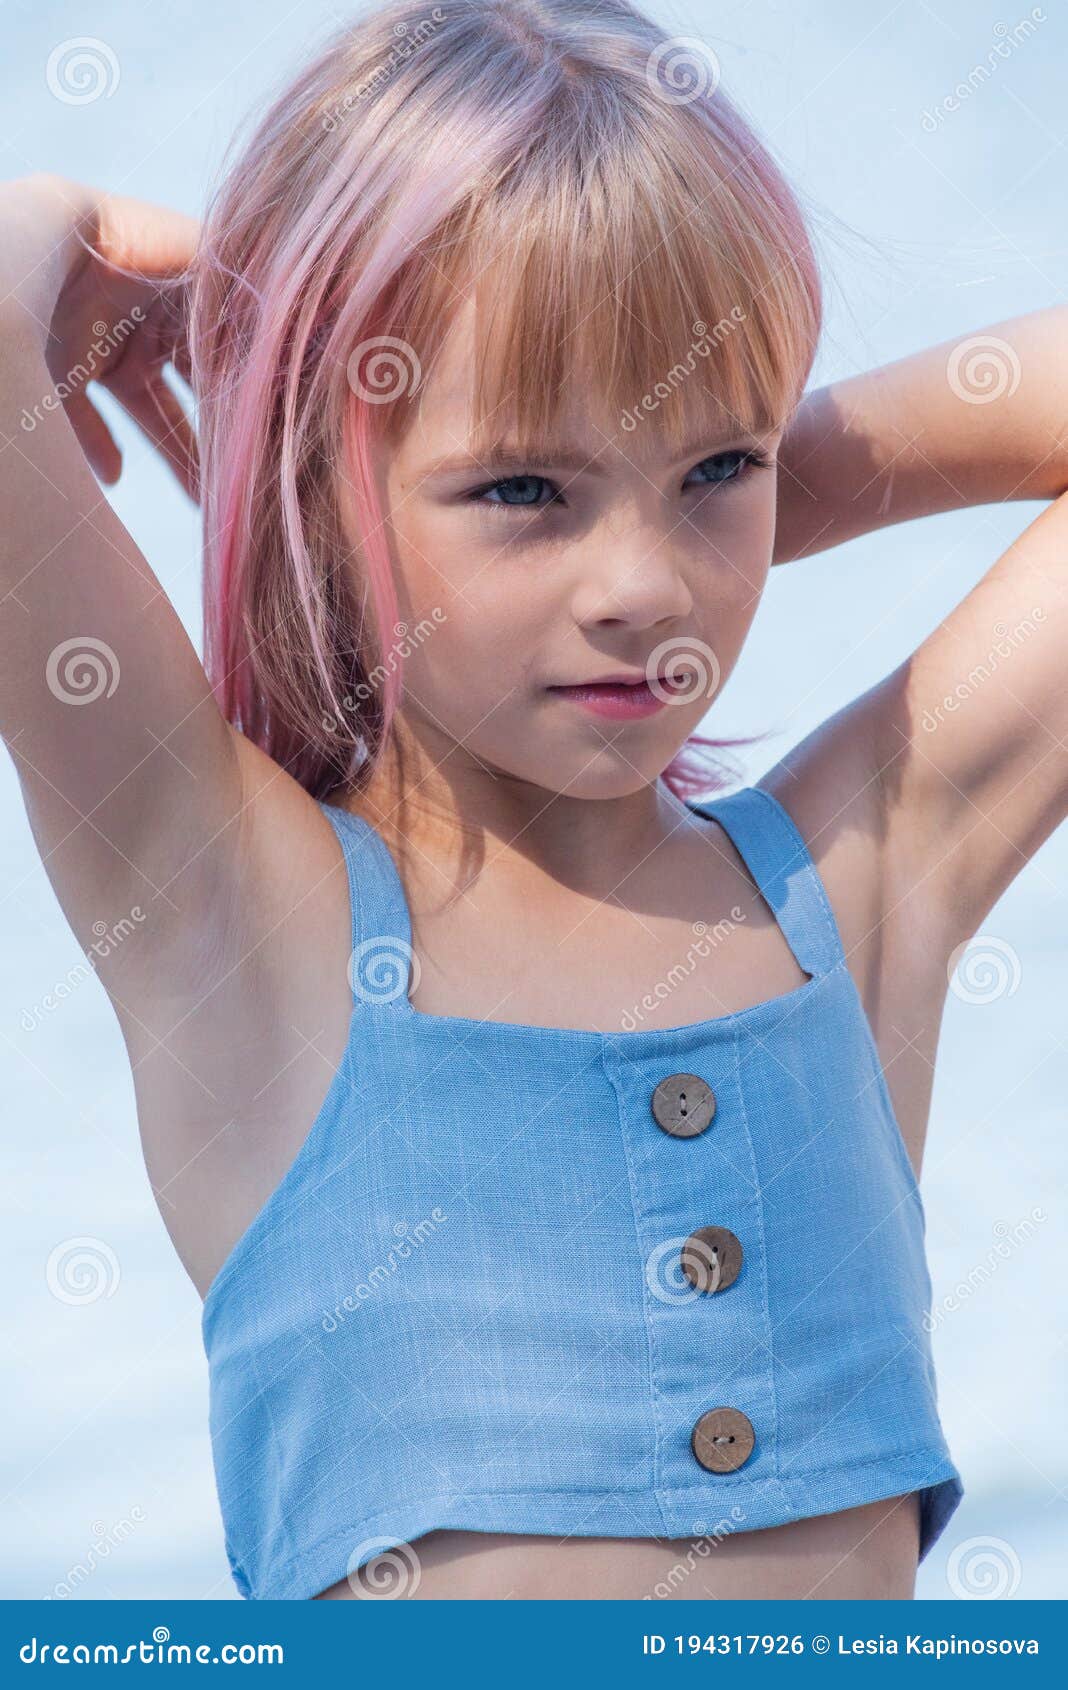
(684, 1106)
(703, 1349)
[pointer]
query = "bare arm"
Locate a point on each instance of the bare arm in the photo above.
(972, 421)
(968, 735)
(130, 774)
(156, 821)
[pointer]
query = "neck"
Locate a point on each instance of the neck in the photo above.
(444, 807)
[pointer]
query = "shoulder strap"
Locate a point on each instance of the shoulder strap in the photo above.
(769, 843)
(381, 925)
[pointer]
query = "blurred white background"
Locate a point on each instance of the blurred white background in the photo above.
(933, 223)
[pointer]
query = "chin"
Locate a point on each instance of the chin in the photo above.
(615, 780)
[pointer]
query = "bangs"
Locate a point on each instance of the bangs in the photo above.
(657, 276)
(630, 252)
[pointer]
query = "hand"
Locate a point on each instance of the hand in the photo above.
(116, 329)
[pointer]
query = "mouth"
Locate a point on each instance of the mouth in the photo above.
(623, 695)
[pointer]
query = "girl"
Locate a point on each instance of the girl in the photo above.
(543, 1138)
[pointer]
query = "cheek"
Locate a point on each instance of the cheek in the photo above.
(463, 584)
(731, 571)
(467, 647)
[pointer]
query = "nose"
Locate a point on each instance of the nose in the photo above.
(636, 578)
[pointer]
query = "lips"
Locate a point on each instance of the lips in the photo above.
(617, 700)
(616, 681)
(642, 680)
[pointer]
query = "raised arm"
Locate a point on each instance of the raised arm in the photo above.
(975, 420)
(130, 774)
(968, 737)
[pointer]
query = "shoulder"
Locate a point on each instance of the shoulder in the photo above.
(829, 786)
(897, 926)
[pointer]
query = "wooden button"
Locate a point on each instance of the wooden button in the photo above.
(712, 1258)
(683, 1105)
(723, 1439)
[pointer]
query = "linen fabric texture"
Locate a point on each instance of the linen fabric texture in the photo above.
(462, 1307)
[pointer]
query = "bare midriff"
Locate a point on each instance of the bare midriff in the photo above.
(866, 1552)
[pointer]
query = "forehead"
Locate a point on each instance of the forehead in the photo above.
(443, 421)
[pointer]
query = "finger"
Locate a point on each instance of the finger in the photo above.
(169, 322)
(182, 359)
(159, 414)
(137, 234)
(94, 437)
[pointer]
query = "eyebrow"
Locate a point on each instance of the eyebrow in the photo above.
(556, 455)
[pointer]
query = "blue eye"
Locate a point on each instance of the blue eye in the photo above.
(524, 492)
(730, 466)
(527, 487)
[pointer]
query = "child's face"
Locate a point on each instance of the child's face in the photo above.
(567, 572)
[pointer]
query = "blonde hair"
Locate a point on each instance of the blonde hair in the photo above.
(623, 232)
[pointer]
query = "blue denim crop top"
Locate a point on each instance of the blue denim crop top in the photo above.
(661, 1283)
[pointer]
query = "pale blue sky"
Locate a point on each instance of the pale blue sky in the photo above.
(932, 223)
